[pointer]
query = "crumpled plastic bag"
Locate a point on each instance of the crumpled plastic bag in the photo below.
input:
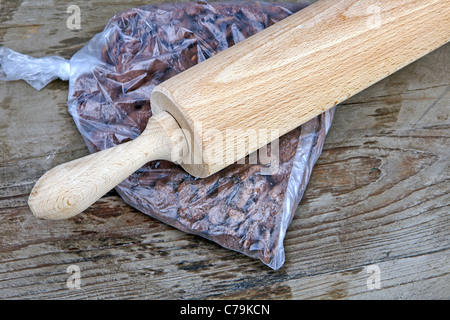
(38, 72)
(110, 82)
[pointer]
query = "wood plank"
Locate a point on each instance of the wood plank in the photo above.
(379, 195)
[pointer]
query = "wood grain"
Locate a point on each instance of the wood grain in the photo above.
(379, 195)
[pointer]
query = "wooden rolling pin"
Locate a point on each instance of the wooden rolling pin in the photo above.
(277, 79)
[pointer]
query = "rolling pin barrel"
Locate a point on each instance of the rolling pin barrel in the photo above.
(296, 69)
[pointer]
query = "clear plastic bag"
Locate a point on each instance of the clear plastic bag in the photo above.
(110, 82)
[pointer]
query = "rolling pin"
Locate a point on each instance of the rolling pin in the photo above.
(277, 79)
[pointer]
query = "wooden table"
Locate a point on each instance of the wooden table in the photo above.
(378, 199)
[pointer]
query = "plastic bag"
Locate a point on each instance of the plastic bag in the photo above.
(111, 80)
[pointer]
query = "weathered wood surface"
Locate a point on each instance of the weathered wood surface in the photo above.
(379, 195)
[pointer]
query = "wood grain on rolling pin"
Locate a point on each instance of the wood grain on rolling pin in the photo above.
(300, 67)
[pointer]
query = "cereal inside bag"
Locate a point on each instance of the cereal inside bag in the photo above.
(111, 79)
